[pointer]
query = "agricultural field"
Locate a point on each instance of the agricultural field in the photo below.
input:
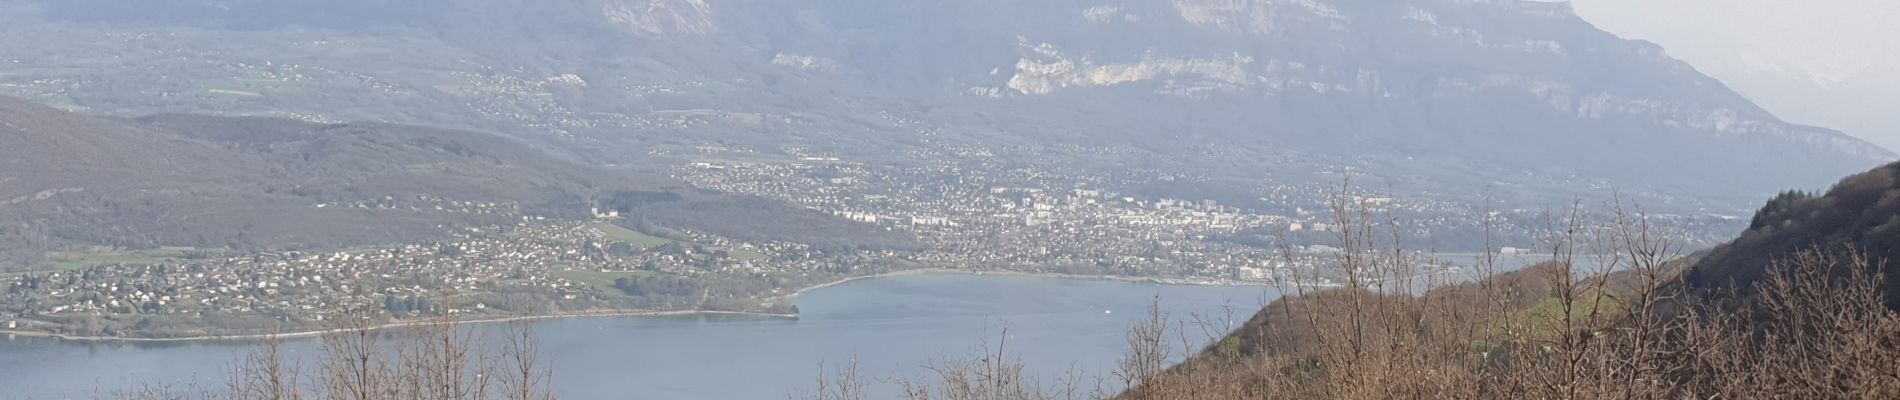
(646, 241)
(601, 280)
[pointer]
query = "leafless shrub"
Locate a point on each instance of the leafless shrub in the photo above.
(1817, 329)
(266, 375)
(1148, 349)
(1601, 320)
(842, 383)
(158, 392)
(359, 361)
(993, 374)
(525, 376)
(355, 363)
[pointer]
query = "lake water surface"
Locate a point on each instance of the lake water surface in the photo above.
(892, 326)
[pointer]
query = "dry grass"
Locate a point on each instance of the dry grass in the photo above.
(1817, 328)
(1623, 329)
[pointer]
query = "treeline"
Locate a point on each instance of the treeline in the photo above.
(721, 292)
(1861, 213)
(756, 219)
(628, 201)
(658, 285)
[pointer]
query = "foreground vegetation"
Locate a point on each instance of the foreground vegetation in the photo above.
(1802, 313)
(437, 360)
(1815, 328)
(1618, 313)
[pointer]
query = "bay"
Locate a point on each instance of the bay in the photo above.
(892, 327)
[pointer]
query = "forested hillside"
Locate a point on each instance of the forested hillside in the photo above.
(1792, 309)
(1861, 213)
(241, 184)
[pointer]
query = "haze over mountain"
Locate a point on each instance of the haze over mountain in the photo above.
(1441, 97)
(1834, 63)
(185, 170)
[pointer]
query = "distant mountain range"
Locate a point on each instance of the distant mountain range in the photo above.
(1443, 96)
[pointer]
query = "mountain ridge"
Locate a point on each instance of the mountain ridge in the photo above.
(1507, 85)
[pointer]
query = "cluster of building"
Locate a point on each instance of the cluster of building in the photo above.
(975, 209)
(430, 204)
(529, 257)
(970, 211)
(973, 219)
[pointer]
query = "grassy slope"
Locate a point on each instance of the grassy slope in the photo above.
(646, 241)
(601, 281)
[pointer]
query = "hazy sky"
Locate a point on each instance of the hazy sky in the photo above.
(1832, 63)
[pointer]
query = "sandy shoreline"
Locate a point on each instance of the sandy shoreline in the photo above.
(605, 313)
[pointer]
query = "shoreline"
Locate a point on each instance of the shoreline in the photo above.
(1018, 274)
(629, 313)
(386, 326)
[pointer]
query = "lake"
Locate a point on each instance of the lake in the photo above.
(892, 326)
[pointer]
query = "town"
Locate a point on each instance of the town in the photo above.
(969, 216)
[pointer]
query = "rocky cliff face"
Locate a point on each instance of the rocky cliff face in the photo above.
(661, 18)
(1501, 85)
